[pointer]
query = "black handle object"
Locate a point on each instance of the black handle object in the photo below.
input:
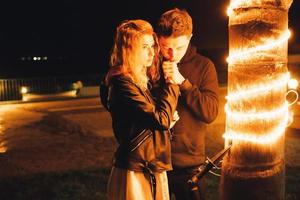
(203, 170)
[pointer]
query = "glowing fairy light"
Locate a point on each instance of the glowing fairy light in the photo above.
(255, 115)
(245, 54)
(240, 3)
(293, 84)
(267, 138)
(259, 89)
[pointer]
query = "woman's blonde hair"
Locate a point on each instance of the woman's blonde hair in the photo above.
(124, 55)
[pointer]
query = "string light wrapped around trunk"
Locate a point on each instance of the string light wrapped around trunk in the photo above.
(256, 109)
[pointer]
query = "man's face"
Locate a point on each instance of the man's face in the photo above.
(174, 48)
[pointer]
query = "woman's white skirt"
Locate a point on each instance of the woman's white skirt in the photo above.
(130, 185)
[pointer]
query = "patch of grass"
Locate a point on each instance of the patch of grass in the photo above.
(87, 185)
(212, 187)
(91, 185)
(292, 183)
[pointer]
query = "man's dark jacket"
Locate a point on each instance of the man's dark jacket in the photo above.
(197, 106)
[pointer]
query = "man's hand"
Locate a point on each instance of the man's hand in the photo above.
(171, 73)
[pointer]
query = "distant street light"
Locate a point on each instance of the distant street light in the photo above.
(24, 90)
(293, 84)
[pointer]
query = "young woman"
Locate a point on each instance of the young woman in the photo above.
(140, 123)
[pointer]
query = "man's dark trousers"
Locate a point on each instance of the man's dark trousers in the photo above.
(178, 178)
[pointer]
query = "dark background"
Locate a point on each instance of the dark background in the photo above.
(76, 35)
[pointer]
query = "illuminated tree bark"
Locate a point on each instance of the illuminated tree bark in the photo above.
(256, 109)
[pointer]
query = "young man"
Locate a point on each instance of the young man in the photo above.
(198, 102)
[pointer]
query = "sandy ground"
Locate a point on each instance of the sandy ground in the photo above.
(35, 141)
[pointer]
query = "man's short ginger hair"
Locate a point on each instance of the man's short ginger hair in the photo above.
(174, 23)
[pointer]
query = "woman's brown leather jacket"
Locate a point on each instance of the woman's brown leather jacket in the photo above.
(141, 124)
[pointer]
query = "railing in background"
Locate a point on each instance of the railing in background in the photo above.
(10, 89)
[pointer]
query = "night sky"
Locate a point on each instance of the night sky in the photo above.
(76, 35)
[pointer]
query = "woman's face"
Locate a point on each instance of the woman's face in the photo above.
(145, 50)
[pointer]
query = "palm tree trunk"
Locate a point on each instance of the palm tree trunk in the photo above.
(256, 110)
